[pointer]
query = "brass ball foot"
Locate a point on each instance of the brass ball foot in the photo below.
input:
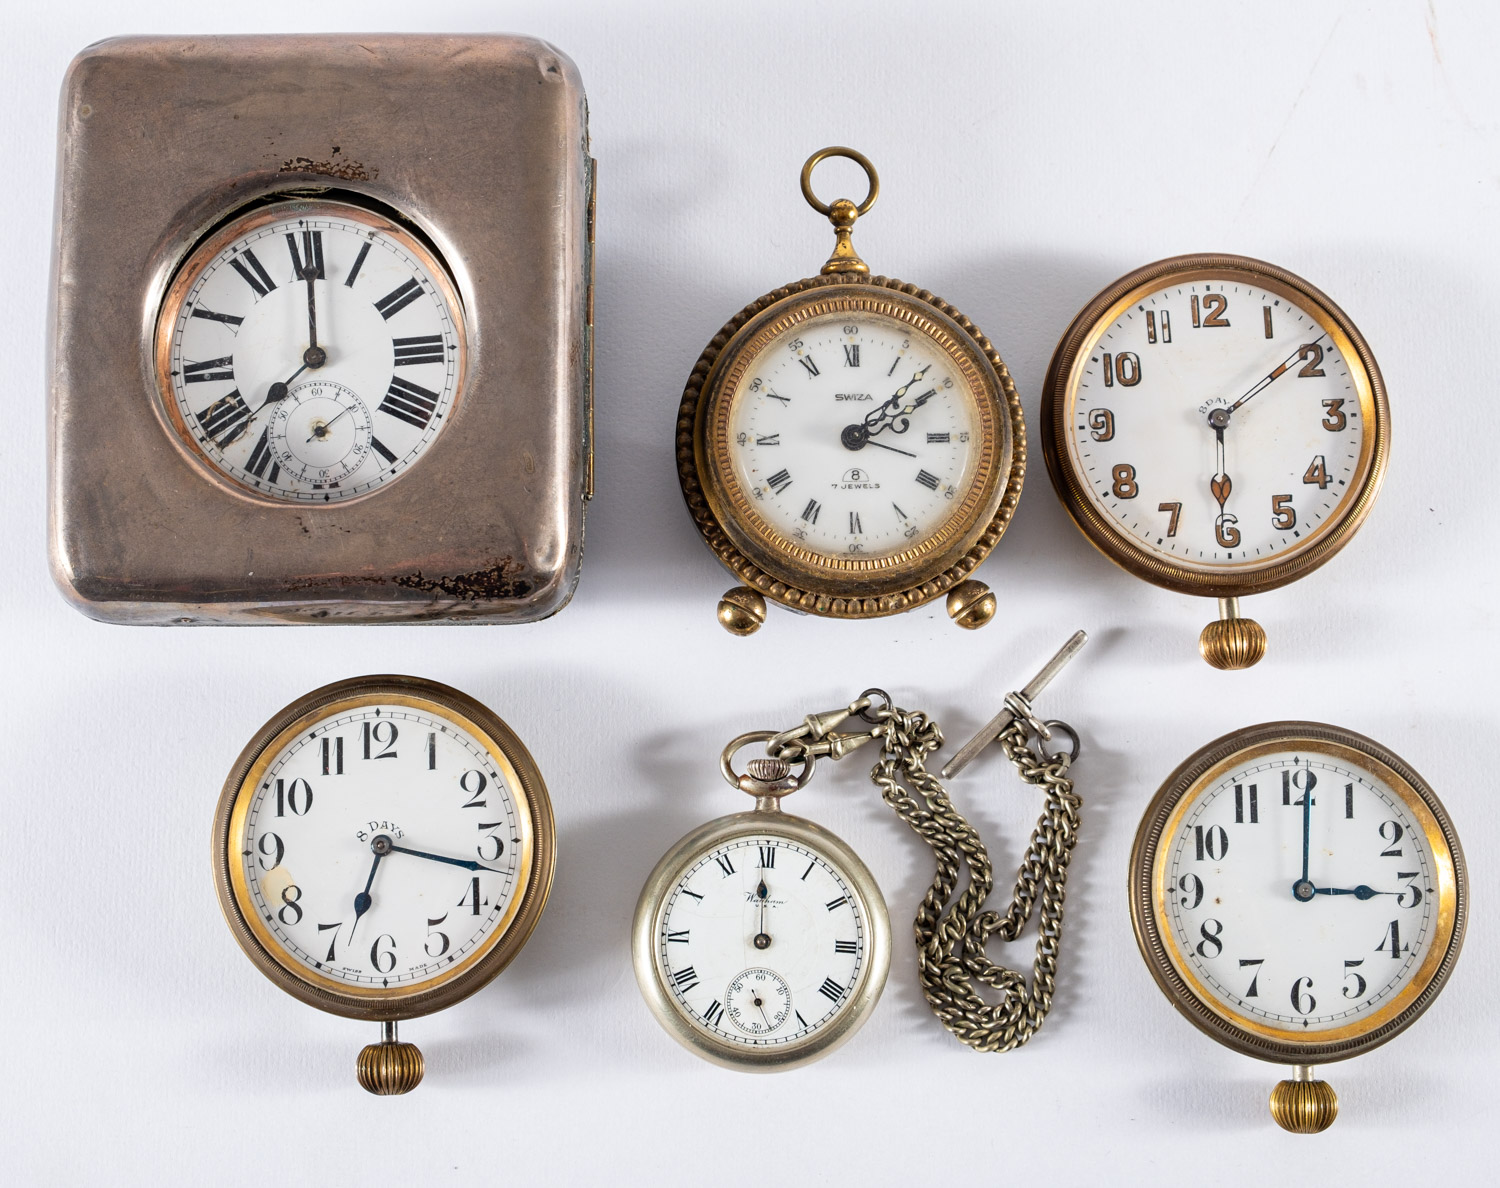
(1304, 1107)
(1233, 643)
(742, 611)
(971, 604)
(390, 1067)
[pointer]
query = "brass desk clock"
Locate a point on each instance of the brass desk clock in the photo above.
(1217, 426)
(309, 362)
(1299, 893)
(849, 445)
(383, 847)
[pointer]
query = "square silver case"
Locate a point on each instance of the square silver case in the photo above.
(482, 143)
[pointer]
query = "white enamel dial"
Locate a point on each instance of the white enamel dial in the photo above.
(762, 941)
(1217, 423)
(1300, 892)
(854, 436)
(311, 351)
(381, 849)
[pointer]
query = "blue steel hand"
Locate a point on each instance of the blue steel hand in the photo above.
(1360, 892)
(463, 862)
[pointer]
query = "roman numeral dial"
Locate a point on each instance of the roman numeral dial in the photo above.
(762, 942)
(864, 411)
(250, 396)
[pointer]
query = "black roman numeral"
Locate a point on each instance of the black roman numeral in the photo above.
(359, 262)
(807, 362)
(769, 439)
(810, 512)
(855, 527)
(930, 481)
(209, 369)
(409, 402)
(936, 438)
(382, 449)
(253, 272)
(685, 978)
(678, 938)
(208, 315)
(398, 299)
(851, 355)
(694, 894)
(831, 990)
(770, 395)
(725, 864)
(809, 870)
(844, 947)
(312, 254)
(222, 420)
(800, 1019)
(838, 903)
(779, 481)
(768, 857)
(425, 348)
(714, 1013)
(260, 458)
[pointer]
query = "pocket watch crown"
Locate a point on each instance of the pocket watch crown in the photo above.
(390, 1067)
(1304, 1106)
(768, 771)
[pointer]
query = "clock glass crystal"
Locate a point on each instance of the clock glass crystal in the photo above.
(310, 351)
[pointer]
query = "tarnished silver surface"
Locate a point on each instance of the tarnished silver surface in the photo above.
(482, 142)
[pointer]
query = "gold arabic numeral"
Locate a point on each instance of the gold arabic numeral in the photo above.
(1125, 367)
(1313, 353)
(1125, 485)
(1174, 513)
(1283, 514)
(1212, 312)
(1336, 419)
(1102, 424)
(1317, 473)
(1226, 533)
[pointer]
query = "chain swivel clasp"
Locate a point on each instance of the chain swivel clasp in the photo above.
(1018, 706)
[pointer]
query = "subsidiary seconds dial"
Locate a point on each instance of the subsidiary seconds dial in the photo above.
(310, 351)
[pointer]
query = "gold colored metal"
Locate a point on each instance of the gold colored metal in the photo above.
(1232, 641)
(971, 604)
(772, 564)
(742, 611)
(1059, 398)
(456, 981)
(390, 1067)
(1303, 1104)
(770, 821)
(848, 587)
(1150, 886)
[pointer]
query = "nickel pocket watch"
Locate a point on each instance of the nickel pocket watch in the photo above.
(306, 367)
(850, 445)
(1299, 893)
(762, 942)
(1217, 426)
(383, 848)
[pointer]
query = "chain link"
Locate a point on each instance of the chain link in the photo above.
(952, 932)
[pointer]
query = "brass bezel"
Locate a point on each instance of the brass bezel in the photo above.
(533, 882)
(1252, 1038)
(202, 254)
(1239, 578)
(776, 566)
(647, 922)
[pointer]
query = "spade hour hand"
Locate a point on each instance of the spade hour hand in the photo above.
(275, 392)
(1360, 892)
(463, 862)
(362, 901)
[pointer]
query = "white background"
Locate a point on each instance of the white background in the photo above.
(1028, 158)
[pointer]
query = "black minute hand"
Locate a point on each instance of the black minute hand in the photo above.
(463, 862)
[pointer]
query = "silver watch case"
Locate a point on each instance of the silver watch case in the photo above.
(481, 143)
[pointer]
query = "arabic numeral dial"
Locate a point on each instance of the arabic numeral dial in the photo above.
(1299, 891)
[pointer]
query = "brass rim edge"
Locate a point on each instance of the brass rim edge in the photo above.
(205, 248)
(1142, 894)
(1129, 557)
(537, 807)
(782, 588)
(646, 922)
